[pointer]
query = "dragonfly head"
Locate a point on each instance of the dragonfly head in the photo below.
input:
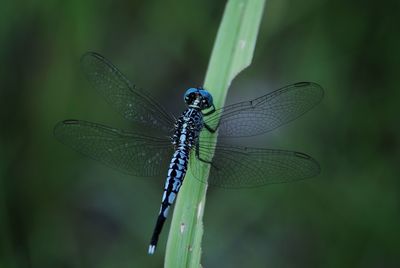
(198, 98)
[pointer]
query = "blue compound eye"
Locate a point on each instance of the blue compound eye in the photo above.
(190, 95)
(190, 91)
(207, 98)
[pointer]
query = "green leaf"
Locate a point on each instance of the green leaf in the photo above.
(232, 52)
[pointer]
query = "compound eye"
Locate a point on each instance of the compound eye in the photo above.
(207, 98)
(190, 94)
(191, 91)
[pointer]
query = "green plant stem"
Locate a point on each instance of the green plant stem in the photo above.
(232, 52)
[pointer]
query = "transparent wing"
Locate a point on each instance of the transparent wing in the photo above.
(134, 104)
(133, 153)
(243, 167)
(266, 113)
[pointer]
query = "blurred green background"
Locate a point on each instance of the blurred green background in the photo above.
(60, 209)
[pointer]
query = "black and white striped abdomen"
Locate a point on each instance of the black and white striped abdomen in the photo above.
(176, 173)
(187, 129)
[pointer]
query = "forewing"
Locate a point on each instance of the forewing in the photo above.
(243, 167)
(136, 154)
(267, 112)
(134, 104)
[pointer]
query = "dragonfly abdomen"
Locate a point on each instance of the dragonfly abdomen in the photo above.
(187, 129)
(176, 174)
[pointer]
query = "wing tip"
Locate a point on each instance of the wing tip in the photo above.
(307, 83)
(91, 54)
(69, 121)
(58, 127)
(89, 58)
(317, 167)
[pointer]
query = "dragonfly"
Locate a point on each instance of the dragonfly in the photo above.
(160, 143)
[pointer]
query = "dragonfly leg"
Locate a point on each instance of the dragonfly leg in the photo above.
(199, 157)
(210, 129)
(210, 112)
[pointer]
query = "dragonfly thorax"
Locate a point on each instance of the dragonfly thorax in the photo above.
(187, 128)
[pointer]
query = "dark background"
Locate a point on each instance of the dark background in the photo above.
(59, 209)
